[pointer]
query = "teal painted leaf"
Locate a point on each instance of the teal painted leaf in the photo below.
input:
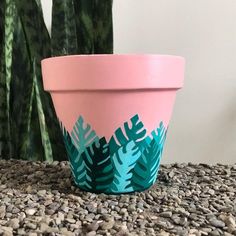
(159, 135)
(99, 169)
(82, 135)
(124, 161)
(135, 132)
(145, 171)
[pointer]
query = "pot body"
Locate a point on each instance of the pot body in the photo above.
(114, 112)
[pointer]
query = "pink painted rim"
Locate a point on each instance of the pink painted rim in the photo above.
(113, 72)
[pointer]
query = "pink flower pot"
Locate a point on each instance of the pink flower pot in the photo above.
(114, 112)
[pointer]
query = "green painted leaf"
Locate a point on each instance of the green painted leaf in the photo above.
(145, 171)
(135, 132)
(159, 135)
(82, 135)
(124, 161)
(99, 169)
(63, 33)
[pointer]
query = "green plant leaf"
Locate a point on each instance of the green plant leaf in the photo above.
(8, 14)
(82, 135)
(63, 33)
(39, 48)
(136, 133)
(145, 171)
(99, 169)
(103, 27)
(84, 26)
(33, 23)
(43, 127)
(4, 146)
(72, 153)
(124, 161)
(21, 93)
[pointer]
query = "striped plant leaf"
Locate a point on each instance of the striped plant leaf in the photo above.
(136, 133)
(72, 153)
(83, 136)
(9, 20)
(39, 46)
(33, 23)
(63, 31)
(43, 127)
(145, 171)
(103, 27)
(3, 102)
(21, 90)
(94, 26)
(98, 167)
(84, 25)
(39, 5)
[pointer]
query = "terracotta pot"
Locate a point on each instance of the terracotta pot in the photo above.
(114, 112)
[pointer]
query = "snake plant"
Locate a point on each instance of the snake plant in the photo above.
(29, 128)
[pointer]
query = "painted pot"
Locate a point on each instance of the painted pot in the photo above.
(114, 112)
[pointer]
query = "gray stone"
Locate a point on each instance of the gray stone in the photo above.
(166, 214)
(14, 223)
(107, 225)
(2, 211)
(30, 225)
(30, 211)
(7, 231)
(132, 207)
(91, 233)
(217, 223)
(93, 226)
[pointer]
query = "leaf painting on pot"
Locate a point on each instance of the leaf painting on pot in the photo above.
(128, 162)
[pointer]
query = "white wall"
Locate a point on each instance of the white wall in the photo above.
(203, 127)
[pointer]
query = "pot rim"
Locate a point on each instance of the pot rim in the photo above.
(113, 72)
(132, 55)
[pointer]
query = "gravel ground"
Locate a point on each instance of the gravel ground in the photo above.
(40, 199)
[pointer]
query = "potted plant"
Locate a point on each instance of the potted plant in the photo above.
(114, 112)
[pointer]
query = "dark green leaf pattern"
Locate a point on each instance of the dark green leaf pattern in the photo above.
(130, 168)
(99, 170)
(64, 38)
(103, 27)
